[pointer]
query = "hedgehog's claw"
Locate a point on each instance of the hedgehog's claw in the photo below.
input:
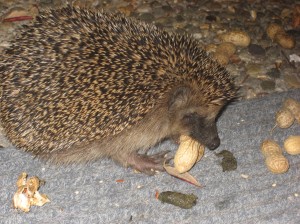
(147, 164)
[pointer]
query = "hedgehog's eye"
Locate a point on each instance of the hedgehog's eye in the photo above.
(186, 118)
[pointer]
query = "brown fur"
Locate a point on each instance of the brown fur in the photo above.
(159, 124)
(79, 85)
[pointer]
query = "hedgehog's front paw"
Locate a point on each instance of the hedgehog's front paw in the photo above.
(147, 164)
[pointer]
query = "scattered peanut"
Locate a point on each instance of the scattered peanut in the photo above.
(294, 107)
(223, 52)
(285, 40)
(221, 58)
(284, 118)
(187, 154)
(238, 38)
(274, 28)
(275, 161)
(292, 145)
(278, 34)
(277, 164)
(270, 147)
(226, 48)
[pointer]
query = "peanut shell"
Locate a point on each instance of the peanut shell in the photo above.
(222, 58)
(200, 152)
(187, 154)
(292, 145)
(226, 48)
(273, 29)
(238, 38)
(294, 107)
(284, 118)
(285, 40)
(277, 164)
(270, 147)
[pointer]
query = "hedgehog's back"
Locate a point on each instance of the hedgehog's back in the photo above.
(78, 76)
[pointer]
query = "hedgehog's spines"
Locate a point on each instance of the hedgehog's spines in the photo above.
(77, 76)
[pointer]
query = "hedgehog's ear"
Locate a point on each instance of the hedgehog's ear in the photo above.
(179, 97)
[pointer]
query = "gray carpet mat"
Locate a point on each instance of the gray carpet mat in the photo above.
(91, 193)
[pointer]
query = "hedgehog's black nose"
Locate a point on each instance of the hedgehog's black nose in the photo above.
(214, 143)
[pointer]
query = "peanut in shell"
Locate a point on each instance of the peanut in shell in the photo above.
(292, 145)
(284, 118)
(187, 154)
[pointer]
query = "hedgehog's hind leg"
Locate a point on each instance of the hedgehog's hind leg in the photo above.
(147, 164)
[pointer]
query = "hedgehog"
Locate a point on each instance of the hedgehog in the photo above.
(79, 85)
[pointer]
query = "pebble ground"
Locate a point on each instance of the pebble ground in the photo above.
(261, 68)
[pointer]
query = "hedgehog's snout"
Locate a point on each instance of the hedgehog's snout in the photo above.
(209, 138)
(204, 131)
(214, 143)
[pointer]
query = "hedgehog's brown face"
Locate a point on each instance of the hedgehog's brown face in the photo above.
(189, 116)
(201, 129)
